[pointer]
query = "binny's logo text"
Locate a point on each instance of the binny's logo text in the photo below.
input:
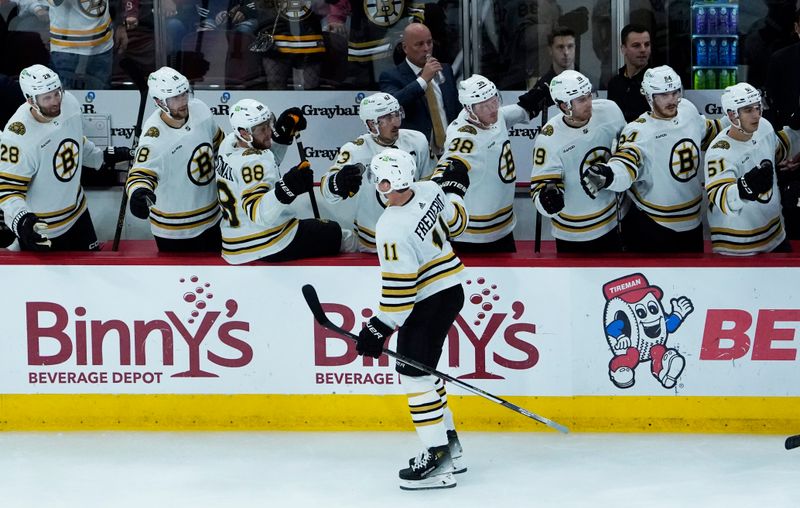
(498, 339)
(209, 338)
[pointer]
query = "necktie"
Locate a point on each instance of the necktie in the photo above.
(436, 119)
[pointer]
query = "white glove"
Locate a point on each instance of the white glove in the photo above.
(681, 307)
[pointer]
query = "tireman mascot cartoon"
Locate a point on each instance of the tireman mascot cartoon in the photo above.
(637, 327)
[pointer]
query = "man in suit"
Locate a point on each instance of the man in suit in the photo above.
(424, 87)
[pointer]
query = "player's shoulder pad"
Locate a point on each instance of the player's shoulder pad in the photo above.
(152, 132)
(17, 128)
(469, 129)
(641, 119)
(722, 145)
(358, 141)
(547, 130)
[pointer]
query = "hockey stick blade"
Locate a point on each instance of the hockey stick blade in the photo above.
(792, 442)
(312, 300)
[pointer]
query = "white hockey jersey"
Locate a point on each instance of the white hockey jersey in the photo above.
(80, 26)
(741, 227)
(178, 165)
(254, 223)
(560, 154)
(492, 173)
(658, 159)
(414, 250)
(40, 166)
(369, 203)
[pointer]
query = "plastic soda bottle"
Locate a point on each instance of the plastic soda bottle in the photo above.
(701, 51)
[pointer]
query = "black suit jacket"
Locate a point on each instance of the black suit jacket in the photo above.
(401, 82)
(783, 85)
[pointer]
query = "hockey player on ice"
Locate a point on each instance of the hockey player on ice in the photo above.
(744, 202)
(422, 295)
(258, 221)
(382, 115)
(637, 328)
(478, 139)
(42, 153)
(583, 134)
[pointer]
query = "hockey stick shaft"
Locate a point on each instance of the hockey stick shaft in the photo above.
(312, 300)
(302, 152)
(792, 442)
(137, 75)
(537, 232)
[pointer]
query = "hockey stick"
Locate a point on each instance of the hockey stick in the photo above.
(792, 442)
(138, 77)
(302, 152)
(310, 294)
(537, 231)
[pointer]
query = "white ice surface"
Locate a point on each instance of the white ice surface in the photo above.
(269, 469)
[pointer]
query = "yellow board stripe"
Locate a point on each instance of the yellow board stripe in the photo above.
(764, 415)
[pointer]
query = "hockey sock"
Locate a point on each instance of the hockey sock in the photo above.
(449, 423)
(427, 409)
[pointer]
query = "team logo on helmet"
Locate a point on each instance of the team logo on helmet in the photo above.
(93, 8)
(17, 128)
(384, 12)
(66, 160)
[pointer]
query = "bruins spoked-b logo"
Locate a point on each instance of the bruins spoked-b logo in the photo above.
(295, 10)
(506, 168)
(597, 155)
(384, 12)
(201, 165)
(93, 8)
(66, 160)
(684, 160)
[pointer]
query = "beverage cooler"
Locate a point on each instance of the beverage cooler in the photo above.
(715, 44)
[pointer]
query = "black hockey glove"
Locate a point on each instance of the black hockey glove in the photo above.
(596, 178)
(756, 181)
(790, 195)
(141, 201)
(535, 99)
(114, 154)
(551, 198)
(288, 125)
(346, 182)
(296, 181)
(372, 337)
(455, 178)
(27, 227)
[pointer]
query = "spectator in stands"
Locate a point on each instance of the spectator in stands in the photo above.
(625, 87)
(84, 61)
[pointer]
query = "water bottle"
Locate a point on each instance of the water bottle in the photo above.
(699, 80)
(733, 21)
(711, 20)
(724, 21)
(713, 53)
(724, 79)
(724, 52)
(701, 50)
(700, 21)
(711, 79)
(439, 77)
(734, 50)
